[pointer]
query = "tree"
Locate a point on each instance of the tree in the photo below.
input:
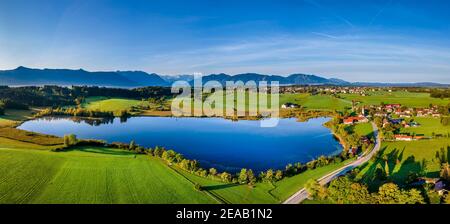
(212, 172)
(2, 108)
(344, 191)
(226, 177)
(445, 172)
(414, 196)
(70, 140)
(269, 175)
(243, 176)
(315, 190)
(251, 178)
(389, 194)
(278, 175)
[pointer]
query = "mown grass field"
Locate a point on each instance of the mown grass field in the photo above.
(406, 157)
(90, 175)
(408, 99)
(427, 127)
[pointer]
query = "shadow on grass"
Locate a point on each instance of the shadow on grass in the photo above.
(219, 187)
(101, 150)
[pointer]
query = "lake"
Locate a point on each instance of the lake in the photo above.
(214, 142)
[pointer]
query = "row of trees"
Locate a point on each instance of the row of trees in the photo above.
(345, 191)
(436, 93)
(445, 121)
(76, 112)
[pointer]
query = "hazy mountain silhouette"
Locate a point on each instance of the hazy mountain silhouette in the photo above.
(23, 76)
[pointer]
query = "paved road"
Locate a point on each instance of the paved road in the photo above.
(302, 194)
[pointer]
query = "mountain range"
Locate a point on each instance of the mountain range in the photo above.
(23, 76)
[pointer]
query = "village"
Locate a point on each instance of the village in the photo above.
(393, 117)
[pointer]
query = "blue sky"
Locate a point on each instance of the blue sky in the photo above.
(373, 40)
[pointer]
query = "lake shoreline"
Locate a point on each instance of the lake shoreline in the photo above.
(263, 145)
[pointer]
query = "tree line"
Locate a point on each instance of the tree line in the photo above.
(57, 96)
(344, 190)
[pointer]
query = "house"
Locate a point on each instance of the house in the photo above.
(355, 120)
(392, 106)
(440, 187)
(290, 105)
(403, 137)
(396, 121)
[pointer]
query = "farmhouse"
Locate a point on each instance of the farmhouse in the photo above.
(403, 138)
(355, 120)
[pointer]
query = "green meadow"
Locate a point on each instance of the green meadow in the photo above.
(428, 127)
(364, 129)
(409, 99)
(111, 104)
(316, 102)
(94, 175)
(91, 175)
(405, 158)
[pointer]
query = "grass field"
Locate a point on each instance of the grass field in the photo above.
(316, 102)
(400, 97)
(111, 104)
(234, 193)
(427, 127)
(32, 174)
(288, 186)
(91, 175)
(262, 193)
(11, 117)
(364, 129)
(410, 156)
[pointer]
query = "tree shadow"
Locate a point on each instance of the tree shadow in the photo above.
(448, 154)
(101, 150)
(410, 165)
(219, 187)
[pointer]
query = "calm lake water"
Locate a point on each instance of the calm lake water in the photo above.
(214, 142)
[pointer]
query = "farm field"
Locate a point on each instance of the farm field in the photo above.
(427, 127)
(91, 175)
(406, 157)
(409, 99)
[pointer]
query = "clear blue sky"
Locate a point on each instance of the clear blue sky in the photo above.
(372, 40)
